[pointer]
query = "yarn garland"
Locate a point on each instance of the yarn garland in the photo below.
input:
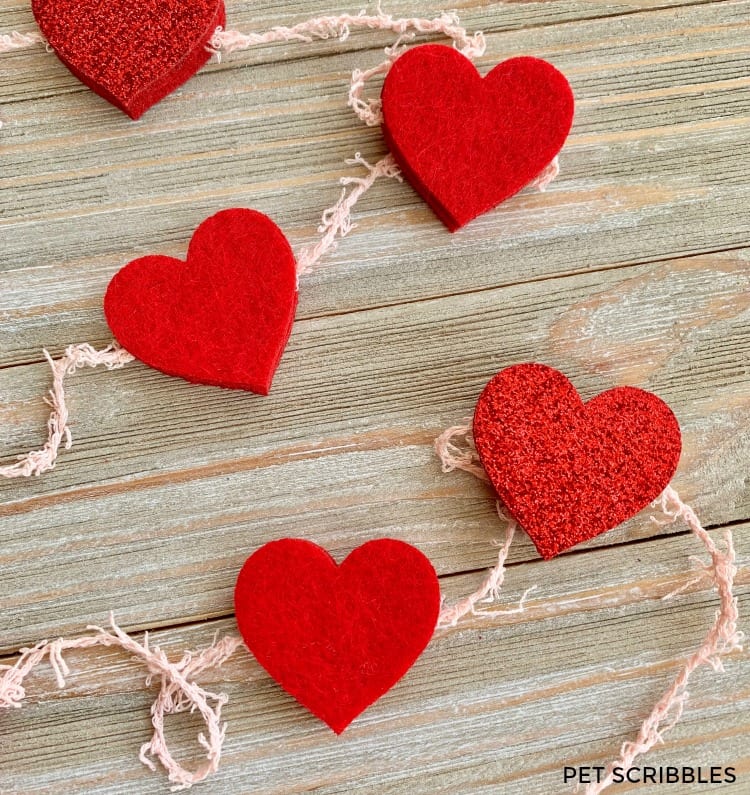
(178, 689)
(127, 319)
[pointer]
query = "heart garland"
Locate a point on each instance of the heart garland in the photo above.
(225, 316)
(337, 637)
(206, 356)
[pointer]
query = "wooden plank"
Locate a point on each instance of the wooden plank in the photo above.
(16, 14)
(497, 705)
(169, 485)
(655, 168)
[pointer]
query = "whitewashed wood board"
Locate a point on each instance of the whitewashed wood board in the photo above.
(633, 268)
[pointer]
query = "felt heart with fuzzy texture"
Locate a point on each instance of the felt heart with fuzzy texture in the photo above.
(337, 637)
(131, 52)
(224, 316)
(568, 470)
(466, 143)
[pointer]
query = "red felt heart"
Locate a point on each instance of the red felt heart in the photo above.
(224, 316)
(466, 143)
(568, 470)
(131, 52)
(337, 637)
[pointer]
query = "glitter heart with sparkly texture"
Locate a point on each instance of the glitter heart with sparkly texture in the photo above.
(131, 52)
(568, 470)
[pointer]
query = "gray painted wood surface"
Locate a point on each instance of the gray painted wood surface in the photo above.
(633, 268)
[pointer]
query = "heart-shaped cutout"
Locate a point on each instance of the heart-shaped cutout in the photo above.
(568, 470)
(466, 143)
(337, 637)
(131, 52)
(224, 316)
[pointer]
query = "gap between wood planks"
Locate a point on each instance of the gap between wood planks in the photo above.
(57, 349)
(510, 284)
(742, 578)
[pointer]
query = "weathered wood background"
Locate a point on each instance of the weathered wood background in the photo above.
(634, 268)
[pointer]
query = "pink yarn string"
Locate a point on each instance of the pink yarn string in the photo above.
(490, 588)
(178, 691)
(465, 457)
(722, 638)
(339, 27)
(453, 457)
(75, 357)
(20, 41)
(367, 110)
(337, 221)
(547, 177)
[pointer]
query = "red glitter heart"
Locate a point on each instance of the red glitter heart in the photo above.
(568, 470)
(224, 316)
(131, 52)
(337, 637)
(466, 143)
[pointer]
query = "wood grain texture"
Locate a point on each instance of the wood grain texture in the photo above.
(634, 268)
(654, 168)
(499, 704)
(348, 456)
